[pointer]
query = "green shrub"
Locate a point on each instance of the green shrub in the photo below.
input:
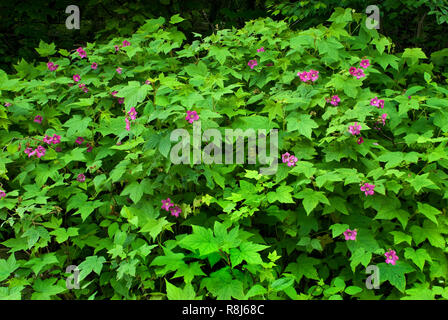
(94, 199)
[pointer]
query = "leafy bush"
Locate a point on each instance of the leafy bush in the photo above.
(80, 189)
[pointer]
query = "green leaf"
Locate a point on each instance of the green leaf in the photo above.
(46, 49)
(302, 123)
(7, 267)
(91, 263)
(222, 285)
(311, 199)
(418, 256)
(428, 211)
(395, 274)
(176, 19)
(201, 239)
(248, 251)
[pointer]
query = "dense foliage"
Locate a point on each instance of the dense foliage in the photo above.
(86, 173)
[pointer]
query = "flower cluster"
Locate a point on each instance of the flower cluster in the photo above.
(368, 189)
(81, 52)
(305, 76)
(358, 72)
(39, 151)
(83, 87)
(391, 257)
(289, 159)
(350, 234)
(379, 103)
(191, 116)
(252, 63)
(169, 206)
(131, 114)
(52, 140)
(51, 66)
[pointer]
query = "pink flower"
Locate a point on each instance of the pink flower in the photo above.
(38, 119)
(166, 204)
(252, 63)
(132, 113)
(116, 48)
(79, 140)
(119, 70)
(374, 102)
(147, 82)
(355, 129)
(381, 103)
(81, 177)
(175, 211)
(409, 97)
(47, 139)
(383, 118)
(304, 76)
(94, 66)
(364, 63)
(359, 73)
(261, 49)
(81, 85)
(391, 257)
(314, 74)
(126, 43)
(335, 100)
(85, 89)
(192, 116)
(2, 194)
(40, 151)
(128, 124)
(89, 147)
(51, 66)
(292, 161)
(114, 93)
(7, 104)
(350, 234)
(81, 52)
(360, 140)
(120, 100)
(285, 157)
(56, 139)
(76, 77)
(28, 151)
(352, 70)
(368, 189)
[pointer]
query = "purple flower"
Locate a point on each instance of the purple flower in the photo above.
(314, 74)
(252, 63)
(147, 82)
(47, 139)
(355, 129)
(38, 119)
(40, 151)
(285, 157)
(335, 100)
(2, 194)
(368, 189)
(292, 161)
(7, 104)
(364, 63)
(56, 139)
(192, 116)
(381, 103)
(81, 177)
(374, 102)
(175, 211)
(350, 234)
(120, 100)
(119, 70)
(261, 49)
(28, 151)
(359, 73)
(79, 140)
(76, 77)
(128, 124)
(391, 257)
(89, 147)
(166, 204)
(94, 66)
(126, 43)
(132, 113)
(51, 66)
(352, 70)
(304, 76)
(116, 48)
(360, 140)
